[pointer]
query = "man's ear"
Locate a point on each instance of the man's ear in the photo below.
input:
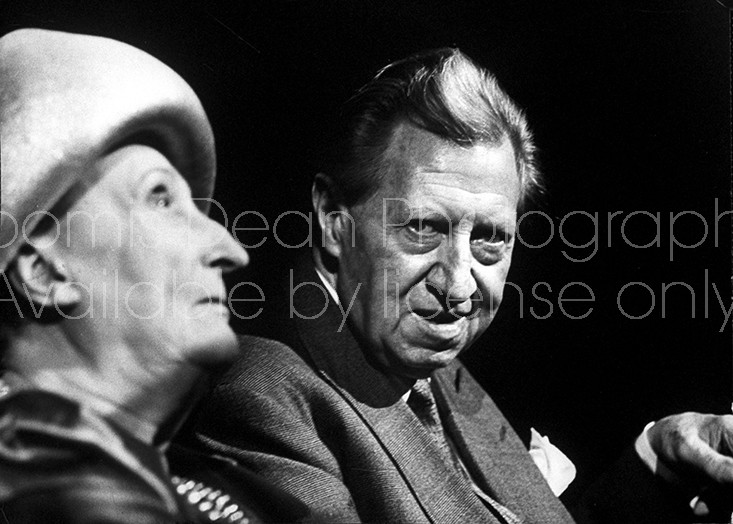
(42, 280)
(333, 217)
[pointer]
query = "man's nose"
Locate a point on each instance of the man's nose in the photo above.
(221, 249)
(453, 278)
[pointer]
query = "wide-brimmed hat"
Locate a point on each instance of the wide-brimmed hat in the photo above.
(66, 100)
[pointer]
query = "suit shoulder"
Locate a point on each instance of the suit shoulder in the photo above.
(269, 383)
(266, 364)
(254, 348)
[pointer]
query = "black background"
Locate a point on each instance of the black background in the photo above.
(630, 103)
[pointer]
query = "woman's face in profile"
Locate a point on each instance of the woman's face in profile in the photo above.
(148, 263)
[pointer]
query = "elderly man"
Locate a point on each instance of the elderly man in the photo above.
(115, 305)
(359, 406)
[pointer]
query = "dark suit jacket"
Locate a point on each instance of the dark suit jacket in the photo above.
(314, 417)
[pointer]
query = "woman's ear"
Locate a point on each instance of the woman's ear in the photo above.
(44, 281)
(333, 217)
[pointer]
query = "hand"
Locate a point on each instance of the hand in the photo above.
(698, 450)
(693, 444)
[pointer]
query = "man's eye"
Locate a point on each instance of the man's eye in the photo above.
(422, 227)
(489, 236)
(489, 245)
(425, 234)
(488, 242)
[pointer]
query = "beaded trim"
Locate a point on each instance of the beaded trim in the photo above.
(214, 504)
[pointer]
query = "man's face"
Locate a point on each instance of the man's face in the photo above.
(149, 263)
(430, 251)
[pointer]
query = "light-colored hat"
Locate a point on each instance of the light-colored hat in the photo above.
(66, 100)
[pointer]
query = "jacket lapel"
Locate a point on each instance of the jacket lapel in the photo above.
(491, 450)
(443, 495)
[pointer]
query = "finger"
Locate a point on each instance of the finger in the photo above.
(726, 433)
(713, 465)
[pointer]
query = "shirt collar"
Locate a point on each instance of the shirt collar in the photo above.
(328, 286)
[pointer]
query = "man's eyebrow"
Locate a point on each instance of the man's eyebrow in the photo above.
(499, 216)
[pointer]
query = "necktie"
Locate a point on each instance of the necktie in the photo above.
(422, 403)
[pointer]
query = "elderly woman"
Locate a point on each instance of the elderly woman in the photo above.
(113, 274)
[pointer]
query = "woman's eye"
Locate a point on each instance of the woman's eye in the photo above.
(160, 196)
(163, 201)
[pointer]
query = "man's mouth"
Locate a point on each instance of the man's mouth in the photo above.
(437, 316)
(440, 330)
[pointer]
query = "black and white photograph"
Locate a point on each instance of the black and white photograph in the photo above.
(377, 261)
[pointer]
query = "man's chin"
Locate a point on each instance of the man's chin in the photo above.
(424, 362)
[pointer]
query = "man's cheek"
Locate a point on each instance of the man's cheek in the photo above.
(391, 297)
(490, 292)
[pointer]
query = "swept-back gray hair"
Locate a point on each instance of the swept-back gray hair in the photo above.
(441, 91)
